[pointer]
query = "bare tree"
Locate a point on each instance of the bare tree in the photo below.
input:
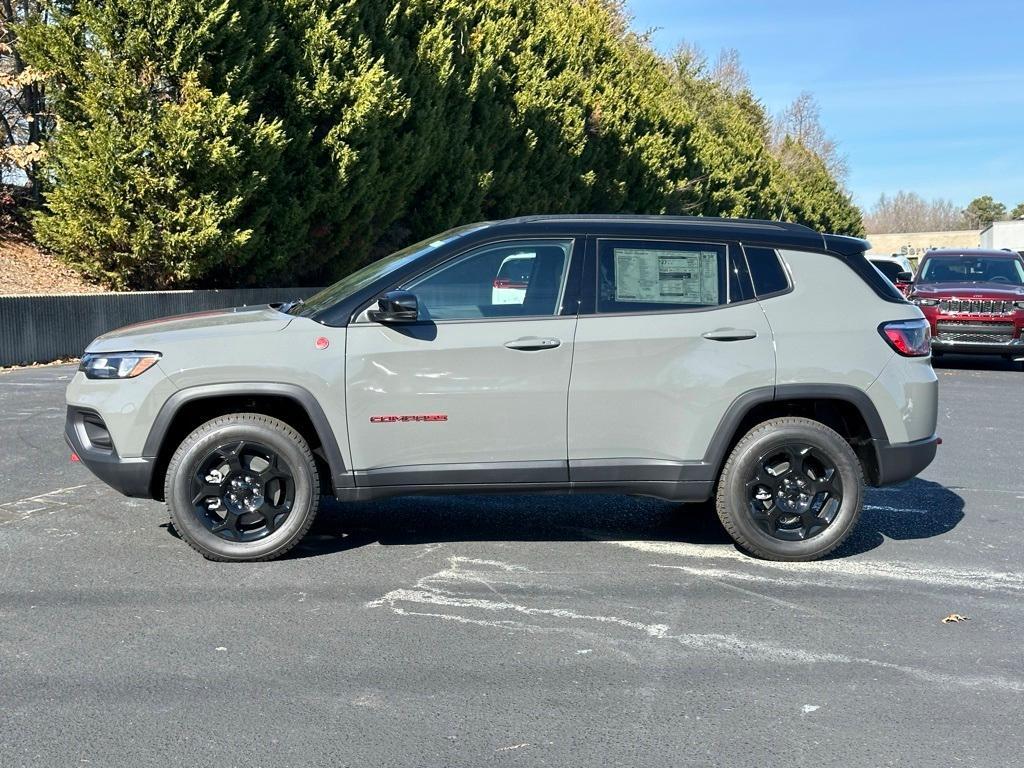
(728, 72)
(801, 122)
(24, 122)
(909, 212)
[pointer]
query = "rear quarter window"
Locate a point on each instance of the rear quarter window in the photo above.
(766, 271)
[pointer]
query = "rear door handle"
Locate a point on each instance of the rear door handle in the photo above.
(532, 344)
(730, 334)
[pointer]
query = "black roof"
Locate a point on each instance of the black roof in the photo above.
(780, 234)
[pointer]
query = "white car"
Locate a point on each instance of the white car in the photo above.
(513, 279)
(904, 263)
(760, 364)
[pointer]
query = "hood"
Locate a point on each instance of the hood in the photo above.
(219, 323)
(993, 291)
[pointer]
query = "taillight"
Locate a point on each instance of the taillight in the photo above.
(910, 338)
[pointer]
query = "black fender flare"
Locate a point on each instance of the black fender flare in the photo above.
(340, 476)
(742, 405)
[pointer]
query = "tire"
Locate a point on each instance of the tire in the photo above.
(819, 476)
(242, 487)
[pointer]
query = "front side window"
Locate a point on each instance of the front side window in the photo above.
(521, 278)
(655, 276)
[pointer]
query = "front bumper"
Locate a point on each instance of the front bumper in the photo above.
(132, 477)
(1014, 348)
(901, 461)
(978, 334)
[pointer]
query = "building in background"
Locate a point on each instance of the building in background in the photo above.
(914, 244)
(1004, 234)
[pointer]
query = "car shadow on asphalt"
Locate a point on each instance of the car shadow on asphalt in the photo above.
(916, 509)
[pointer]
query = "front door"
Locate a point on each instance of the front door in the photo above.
(475, 391)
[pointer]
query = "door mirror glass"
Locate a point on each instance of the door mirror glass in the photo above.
(396, 307)
(904, 277)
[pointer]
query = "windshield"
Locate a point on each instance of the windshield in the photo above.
(372, 272)
(972, 269)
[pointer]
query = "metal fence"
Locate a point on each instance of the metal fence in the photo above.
(42, 328)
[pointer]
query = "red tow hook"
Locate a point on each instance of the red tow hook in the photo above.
(74, 458)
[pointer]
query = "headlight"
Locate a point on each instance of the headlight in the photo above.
(1019, 304)
(117, 365)
(925, 302)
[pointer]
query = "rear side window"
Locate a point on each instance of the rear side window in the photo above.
(659, 276)
(766, 271)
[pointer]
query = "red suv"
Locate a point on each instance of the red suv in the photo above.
(974, 300)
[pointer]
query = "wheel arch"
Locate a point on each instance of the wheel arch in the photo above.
(844, 408)
(187, 408)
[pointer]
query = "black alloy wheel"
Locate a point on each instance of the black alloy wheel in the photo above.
(792, 489)
(795, 492)
(242, 487)
(242, 491)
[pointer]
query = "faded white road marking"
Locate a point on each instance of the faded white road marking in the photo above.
(719, 577)
(911, 510)
(441, 596)
(50, 502)
(858, 569)
(513, 746)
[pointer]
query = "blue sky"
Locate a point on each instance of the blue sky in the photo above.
(922, 96)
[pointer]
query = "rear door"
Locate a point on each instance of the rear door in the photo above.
(475, 391)
(669, 336)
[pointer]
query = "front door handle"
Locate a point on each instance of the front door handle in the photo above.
(730, 334)
(532, 344)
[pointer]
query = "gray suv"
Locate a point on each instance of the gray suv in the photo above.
(759, 363)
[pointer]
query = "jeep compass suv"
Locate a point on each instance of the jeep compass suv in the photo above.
(762, 364)
(973, 300)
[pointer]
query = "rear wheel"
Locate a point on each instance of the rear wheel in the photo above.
(242, 487)
(792, 489)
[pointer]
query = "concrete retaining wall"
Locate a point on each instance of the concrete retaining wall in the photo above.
(42, 328)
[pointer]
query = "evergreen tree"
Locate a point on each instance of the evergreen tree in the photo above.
(216, 142)
(156, 169)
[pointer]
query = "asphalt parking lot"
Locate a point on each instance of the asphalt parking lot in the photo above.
(545, 630)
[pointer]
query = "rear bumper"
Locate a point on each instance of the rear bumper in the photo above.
(131, 477)
(902, 461)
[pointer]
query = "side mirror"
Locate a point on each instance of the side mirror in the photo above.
(396, 307)
(905, 277)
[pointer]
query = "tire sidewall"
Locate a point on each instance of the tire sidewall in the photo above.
(742, 469)
(195, 448)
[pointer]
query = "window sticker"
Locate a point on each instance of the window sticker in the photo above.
(670, 277)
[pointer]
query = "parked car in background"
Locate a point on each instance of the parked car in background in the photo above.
(904, 262)
(761, 364)
(973, 300)
(894, 273)
(513, 279)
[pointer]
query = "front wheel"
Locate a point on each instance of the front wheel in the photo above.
(242, 487)
(792, 489)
